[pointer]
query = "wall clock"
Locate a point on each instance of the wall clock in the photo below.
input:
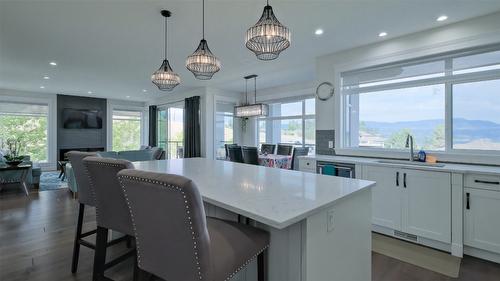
(325, 91)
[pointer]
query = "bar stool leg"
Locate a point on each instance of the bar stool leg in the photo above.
(76, 246)
(100, 254)
(261, 267)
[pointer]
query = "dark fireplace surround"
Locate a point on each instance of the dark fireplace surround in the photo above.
(88, 140)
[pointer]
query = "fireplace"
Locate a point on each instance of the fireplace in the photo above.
(63, 156)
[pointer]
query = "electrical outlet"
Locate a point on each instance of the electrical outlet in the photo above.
(330, 220)
(330, 144)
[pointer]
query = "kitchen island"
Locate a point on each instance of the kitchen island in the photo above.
(320, 226)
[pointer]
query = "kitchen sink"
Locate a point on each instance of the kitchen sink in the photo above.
(414, 163)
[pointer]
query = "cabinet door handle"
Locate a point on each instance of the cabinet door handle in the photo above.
(467, 204)
(487, 182)
(404, 180)
(397, 178)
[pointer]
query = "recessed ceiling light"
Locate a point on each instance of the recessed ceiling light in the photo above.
(53, 63)
(89, 92)
(127, 97)
(46, 77)
(144, 90)
(442, 18)
(42, 87)
(318, 31)
(382, 34)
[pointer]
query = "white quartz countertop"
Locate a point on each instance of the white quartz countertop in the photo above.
(448, 167)
(276, 197)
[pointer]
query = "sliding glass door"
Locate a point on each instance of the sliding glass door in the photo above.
(171, 129)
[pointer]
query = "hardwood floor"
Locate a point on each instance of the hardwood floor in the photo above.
(36, 243)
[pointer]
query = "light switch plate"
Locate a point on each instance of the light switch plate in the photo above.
(330, 144)
(330, 221)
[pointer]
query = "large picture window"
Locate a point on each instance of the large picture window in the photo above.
(289, 122)
(126, 130)
(26, 123)
(448, 103)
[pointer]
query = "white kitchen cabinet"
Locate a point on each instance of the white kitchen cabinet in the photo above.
(427, 204)
(481, 219)
(412, 201)
(307, 165)
(386, 202)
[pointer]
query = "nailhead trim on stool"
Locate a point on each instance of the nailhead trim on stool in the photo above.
(187, 214)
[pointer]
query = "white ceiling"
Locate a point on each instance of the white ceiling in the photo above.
(112, 47)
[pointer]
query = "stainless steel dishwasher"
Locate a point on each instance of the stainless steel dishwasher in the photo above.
(336, 169)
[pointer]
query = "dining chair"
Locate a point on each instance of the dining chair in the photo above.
(112, 212)
(266, 148)
(298, 151)
(235, 154)
(226, 147)
(284, 149)
(250, 155)
(185, 244)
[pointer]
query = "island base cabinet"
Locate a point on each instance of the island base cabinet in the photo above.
(331, 245)
(481, 219)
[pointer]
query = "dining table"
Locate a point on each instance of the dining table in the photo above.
(275, 161)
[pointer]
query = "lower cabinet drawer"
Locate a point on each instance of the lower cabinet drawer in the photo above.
(490, 182)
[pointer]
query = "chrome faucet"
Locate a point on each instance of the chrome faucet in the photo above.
(409, 144)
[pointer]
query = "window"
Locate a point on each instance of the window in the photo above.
(476, 115)
(382, 105)
(289, 122)
(26, 123)
(126, 130)
(224, 128)
(171, 129)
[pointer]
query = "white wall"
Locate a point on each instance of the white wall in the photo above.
(466, 34)
(42, 98)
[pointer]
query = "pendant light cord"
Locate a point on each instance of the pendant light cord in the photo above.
(255, 88)
(246, 91)
(203, 18)
(166, 30)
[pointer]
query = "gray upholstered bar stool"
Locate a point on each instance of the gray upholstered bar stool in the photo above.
(175, 241)
(111, 209)
(85, 198)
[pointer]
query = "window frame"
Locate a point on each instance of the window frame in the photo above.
(13, 96)
(450, 153)
(303, 117)
(116, 106)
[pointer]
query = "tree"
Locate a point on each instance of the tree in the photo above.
(398, 140)
(31, 131)
(126, 134)
(437, 140)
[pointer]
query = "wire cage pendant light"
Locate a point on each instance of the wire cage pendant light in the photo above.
(268, 37)
(203, 63)
(165, 78)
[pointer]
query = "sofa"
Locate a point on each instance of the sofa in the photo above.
(33, 177)
(154, 153)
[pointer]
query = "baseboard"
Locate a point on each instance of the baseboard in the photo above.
(482, 254)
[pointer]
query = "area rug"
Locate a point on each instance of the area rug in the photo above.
(51, 181)
(424, 257)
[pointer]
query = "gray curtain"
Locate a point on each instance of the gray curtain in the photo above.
(192, 132)
(153, 118)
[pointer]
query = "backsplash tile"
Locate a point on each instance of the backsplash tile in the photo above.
(322, 138)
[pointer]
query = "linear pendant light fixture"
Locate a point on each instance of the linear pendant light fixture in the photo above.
(251, 110)
(202, 63)
(165, 78)
(268, 37)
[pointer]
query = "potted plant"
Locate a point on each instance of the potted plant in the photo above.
(12, 156)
